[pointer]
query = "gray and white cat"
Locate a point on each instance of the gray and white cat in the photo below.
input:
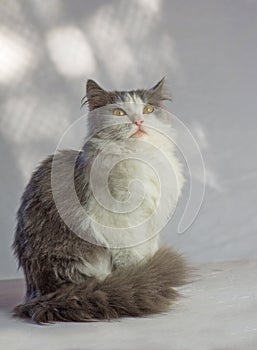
(99, 259)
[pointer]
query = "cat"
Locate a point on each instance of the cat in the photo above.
(85, 262)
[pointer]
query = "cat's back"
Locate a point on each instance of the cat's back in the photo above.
(39, 188)
(38, 219)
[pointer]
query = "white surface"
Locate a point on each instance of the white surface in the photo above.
(218, 312)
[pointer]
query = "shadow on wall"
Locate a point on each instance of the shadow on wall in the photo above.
(48, 50)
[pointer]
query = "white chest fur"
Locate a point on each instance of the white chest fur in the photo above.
(127, 223)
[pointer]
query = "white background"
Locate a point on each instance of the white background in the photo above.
(206, 49)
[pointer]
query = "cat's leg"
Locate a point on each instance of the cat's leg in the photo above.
(31, 289)
(126, 256)
(99, 267)
(46, 274)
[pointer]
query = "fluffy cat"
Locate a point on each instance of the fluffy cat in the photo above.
(100, 259)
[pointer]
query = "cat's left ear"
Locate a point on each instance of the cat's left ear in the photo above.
(159, 91)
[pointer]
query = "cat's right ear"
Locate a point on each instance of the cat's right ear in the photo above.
(96, 96)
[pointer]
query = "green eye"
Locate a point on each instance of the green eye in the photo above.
(148, 109)
(119, 112)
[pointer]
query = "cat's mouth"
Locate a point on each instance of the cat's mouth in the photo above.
(139, 133)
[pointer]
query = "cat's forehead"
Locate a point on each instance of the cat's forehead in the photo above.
(131, 97)
(131, 101)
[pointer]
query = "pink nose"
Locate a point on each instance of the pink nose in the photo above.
(139, 122)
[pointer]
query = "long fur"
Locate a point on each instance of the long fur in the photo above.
(138, 290)
(85, 262)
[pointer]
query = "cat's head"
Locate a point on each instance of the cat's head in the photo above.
(124, 114)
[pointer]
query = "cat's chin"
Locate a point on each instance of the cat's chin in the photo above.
(139, 133)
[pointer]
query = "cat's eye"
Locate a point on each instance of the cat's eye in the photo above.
(148, 109)
(119, 112)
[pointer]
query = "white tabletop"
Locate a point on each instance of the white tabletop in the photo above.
(218, 312)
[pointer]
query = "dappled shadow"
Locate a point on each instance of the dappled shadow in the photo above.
(48, 50)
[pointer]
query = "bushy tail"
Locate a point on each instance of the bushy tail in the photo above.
(138, 290)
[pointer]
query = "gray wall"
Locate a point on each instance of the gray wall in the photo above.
(207, 49)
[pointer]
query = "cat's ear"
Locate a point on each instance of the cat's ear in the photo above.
(159, 86)
(96, 96)
(159, 91)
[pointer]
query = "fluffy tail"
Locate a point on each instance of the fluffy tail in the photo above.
(138, 290)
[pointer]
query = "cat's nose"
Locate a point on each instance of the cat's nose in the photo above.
(138, 122)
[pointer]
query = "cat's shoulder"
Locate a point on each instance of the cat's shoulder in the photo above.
(59, 163)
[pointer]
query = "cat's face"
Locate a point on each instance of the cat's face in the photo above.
(124, 114)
